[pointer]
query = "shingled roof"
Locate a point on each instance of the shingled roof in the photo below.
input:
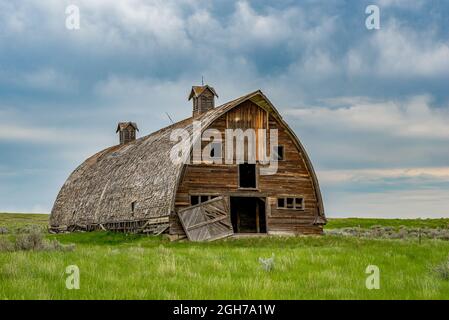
(124, 125)
(102, 188)
(198, 90)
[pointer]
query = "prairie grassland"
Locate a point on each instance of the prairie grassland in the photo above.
(395, 223)
(119, 266)
(19, 220)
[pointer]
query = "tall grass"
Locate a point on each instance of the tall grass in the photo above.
(153, 268)
(119, 266)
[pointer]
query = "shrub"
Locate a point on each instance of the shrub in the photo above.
(267, 264)
(444, 234)
(4, 230)
(35, 241)
(30, 241)
(31, 228)
(379, 232)
(6, 245)
(55, 245)
(442, 270)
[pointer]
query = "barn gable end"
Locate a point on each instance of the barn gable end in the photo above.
(295, 178)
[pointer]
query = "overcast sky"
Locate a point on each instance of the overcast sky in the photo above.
(370, 106)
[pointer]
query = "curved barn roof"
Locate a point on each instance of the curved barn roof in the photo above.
(103, 187)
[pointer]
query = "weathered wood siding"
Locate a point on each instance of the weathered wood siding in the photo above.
(292, 178)
(203, 103)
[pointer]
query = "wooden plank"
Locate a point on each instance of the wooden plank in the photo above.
(199, 225)
(206, 221)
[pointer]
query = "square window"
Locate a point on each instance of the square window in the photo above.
(281, 203)
(204, 198)
(290, 203)
(247, 175)
(299, 203)
(194, 200)
(278, 153)
(215, 151)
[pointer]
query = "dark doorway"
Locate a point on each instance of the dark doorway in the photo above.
(247, 175)
(248, 215)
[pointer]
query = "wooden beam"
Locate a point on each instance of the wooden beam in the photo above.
(207, 222)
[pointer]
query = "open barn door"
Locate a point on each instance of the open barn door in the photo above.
(207, 221)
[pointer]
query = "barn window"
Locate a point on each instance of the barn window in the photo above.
(133, 206)
(197, 199)
(298, 203)
(247, 175)
(194, 200)
(281, 203)
(292, 203)
(215, 151)
(278, 153)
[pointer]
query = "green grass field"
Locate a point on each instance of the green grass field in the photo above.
(395, 223)
(119, 266)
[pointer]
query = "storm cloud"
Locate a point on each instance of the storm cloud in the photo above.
(371, 106)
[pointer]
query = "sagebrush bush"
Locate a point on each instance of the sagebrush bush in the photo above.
(30, 241)
(31, 228)
(4, 230)
(402, 232)
(442, 270)
(267, 263)
(34, 240)
(6, 245)
(55, 245)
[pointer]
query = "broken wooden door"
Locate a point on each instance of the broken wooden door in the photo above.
(207, 221)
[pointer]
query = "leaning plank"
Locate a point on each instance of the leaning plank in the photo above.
(207, 221)
(202, 224)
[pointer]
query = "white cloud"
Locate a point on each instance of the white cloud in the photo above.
(29, 134)
(37, 208)
(413, 118)
(145, 97)
(432, 203)
(47, 79)
(141, 57)
(398, 51)
(434, 174)
(405, 4)
(263, 29)
(318, 65)
(45, 135)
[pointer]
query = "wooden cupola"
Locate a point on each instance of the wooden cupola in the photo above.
(127, 131)
(203, 99)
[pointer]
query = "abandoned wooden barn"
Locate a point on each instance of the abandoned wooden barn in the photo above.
(136, 186)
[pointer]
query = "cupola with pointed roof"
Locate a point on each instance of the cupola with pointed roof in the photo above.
(203, 99)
